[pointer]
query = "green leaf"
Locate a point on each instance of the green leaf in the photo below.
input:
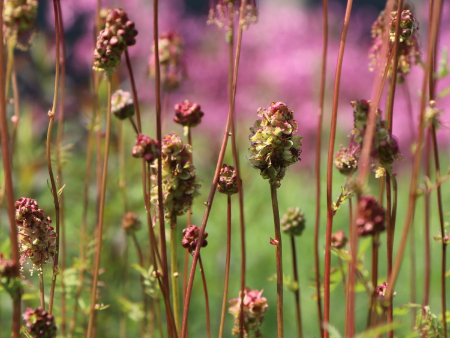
(342, 254)
(60, 191)
(378, 330)
(443, 93)
(334, 333)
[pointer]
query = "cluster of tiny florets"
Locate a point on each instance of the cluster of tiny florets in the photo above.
(190, 238)
(130, 222)
(346, 159)
(122, 105)
(37, 239)
(188, 114)
(432, 115)
(180, 182)
(146, 148)
(227, 183)
(409, 53)
(39, 323)
(293, 222)
(19, 20)
(172, 70)
(371, 216)
(254, 308)
(274, 146)
(119, 33)
(223, 12)
(338, 240)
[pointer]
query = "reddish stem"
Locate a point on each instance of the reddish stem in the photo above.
(227, 268)
(298, 312)
(205, 289)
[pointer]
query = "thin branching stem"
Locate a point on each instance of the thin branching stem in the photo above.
(298, 313)
(205, 290)
(174, 270)
(427, 272)
(41, 287)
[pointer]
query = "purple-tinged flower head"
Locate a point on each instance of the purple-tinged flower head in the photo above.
(146, 148)
(37, 239)
(19, 21)
(293, 222)
(190, 238)
(188, 114)
(338, 240)
(122, 105)
(130, 222)
(409, 51)
(6, 268)
(361, 110)
(180, 181)
(39, 323)
(346, 159)
(254, 307)
(172, 68)
(371, 218)
(227, 183)
(380, 293)
(274, 147)
(119, 33)
(221, 11)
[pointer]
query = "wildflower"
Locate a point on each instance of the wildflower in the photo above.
(220, 13)
(380, 172)
(408, 25)
(130, 222)
(338, 240)
(122, 105)
(190, 238)
(40, 323)
(179, 178)
(273, 144)
(188, 114)
(347, 159)
(227, 183)
(432, 115)
(380, 292)
(18, 20)
(293, 222)
(37, 239)
(146, 148)
(119, 33)
(254, 308)
(371, 219)
(172, 70)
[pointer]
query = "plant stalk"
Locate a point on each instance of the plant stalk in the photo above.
(227, 268)
(205, 289)
(174, 270)
(297, 291)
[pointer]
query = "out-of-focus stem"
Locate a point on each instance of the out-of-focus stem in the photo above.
(279, 256)
(41, 287)
(101, 215)
(330, 211)
(227, 268)
(205, 289)
(298, 312)
(426, 291)
(373, 303)
(134, 91)
(174, 270)
(349, 274)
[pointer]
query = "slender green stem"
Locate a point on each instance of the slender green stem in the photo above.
(227, 268)
(279, 259)
(205, 290)
(41, 287)
(373, 303)
(298, 312)
(99, 233)
(349, 274)
(174, 270)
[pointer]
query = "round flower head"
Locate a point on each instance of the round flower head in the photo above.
(130, 222)
(293, 222)
(37, 239)
(190, 238)
(380, 292)
(219, 13)
(371, 219)
(227, 183)
(408, 25)
(338, 240)
(19, 20)
(188, 114)
(40, 323)
(146, 148)
(122, 105)
(254, 308)
(273, 144)
(346, 160)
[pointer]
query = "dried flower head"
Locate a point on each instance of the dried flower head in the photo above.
(122, 105)
(40, 323)
(274, 147)
(227, 183)
(6, 267)
(190, 238)
(180, 182)
(371, 219)
(119, 33)
(130, 222)
(346, 159)
(338, 240)
(19, 21)
(188, 114)
(293, 222)
(172, 69)
(146, 148)
(37, 239)
(254, 308)
(222, 12)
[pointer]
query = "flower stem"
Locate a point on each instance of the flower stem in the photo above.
(174, 270)
(297, 291)
(41, 287)
(279, 256)
(330, 211)
(205, 289)
(227, 268)
(101, 215)
(427, 169)
(134, 92)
